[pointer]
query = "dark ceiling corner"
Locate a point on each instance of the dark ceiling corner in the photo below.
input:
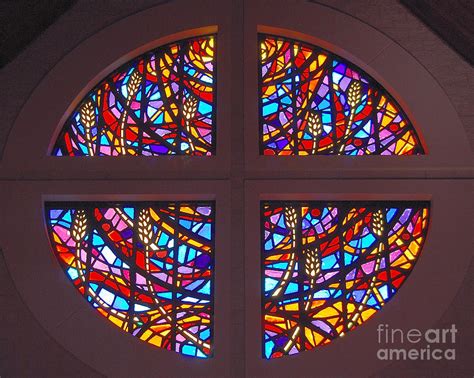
(452, 20)
(21, 21)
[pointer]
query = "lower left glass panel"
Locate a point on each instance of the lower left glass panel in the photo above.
(147, 267)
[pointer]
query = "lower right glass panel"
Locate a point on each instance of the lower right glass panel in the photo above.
(328, 267)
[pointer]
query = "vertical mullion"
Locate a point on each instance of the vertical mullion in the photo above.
(235, 46)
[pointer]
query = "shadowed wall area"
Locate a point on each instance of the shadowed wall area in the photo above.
(21, 22)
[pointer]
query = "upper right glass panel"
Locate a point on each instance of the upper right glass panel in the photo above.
(313, 102)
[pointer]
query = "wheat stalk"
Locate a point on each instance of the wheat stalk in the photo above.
(378, 223)
(378, 228)
(290, 218)
(79, 226)
(190, 108)
(78, 233)
(312, 268)
(133, 85)
(132, 88)
(87, 115)
(189, 112)
(145, 233)
(312, 265)
(354, 96)
(315, 129)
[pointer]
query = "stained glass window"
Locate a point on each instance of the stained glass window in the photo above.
(146, 267)
(330, 266)
(161, 103)
(313, 102)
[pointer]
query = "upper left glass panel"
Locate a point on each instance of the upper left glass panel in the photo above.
(160, 103)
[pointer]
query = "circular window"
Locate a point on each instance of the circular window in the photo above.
(254, 187)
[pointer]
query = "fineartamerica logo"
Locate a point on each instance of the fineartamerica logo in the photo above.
(431, 344)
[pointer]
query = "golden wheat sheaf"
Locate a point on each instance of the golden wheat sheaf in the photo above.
(354, 97)
(132, 88)
(145, 231)
(189, 112)
(315, 128)
(87, 116)
(312, 269)
(79, 226)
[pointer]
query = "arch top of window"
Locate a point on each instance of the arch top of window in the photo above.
(31, 147)
(159, 103)
(27, 151)
(381, 65)
(313, 102)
